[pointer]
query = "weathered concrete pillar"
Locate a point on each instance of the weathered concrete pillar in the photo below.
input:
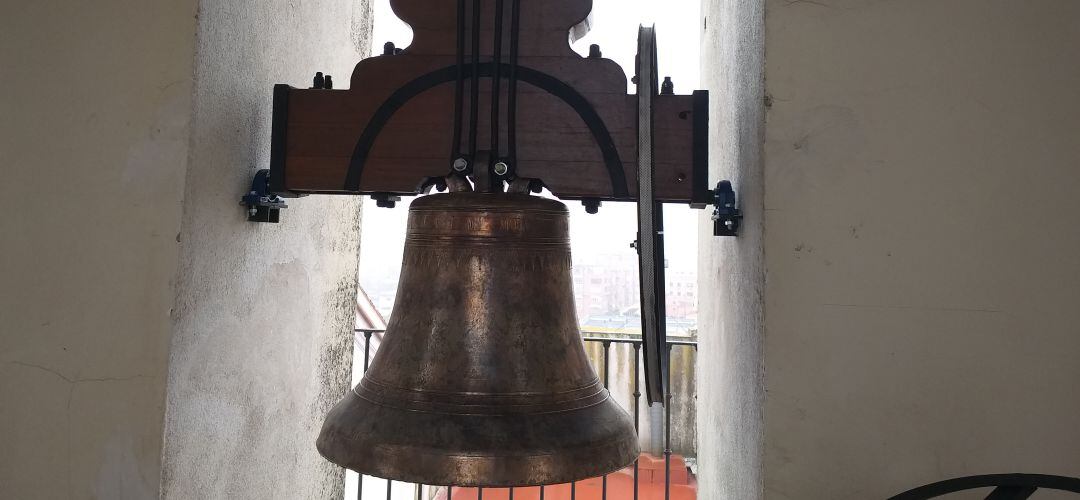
(921, 181)
(264, 316)
(151, 340)
(731, 273)
(94, 135)
(913, 214)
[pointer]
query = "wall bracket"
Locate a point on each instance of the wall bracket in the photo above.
(263, 205)
(726, 216)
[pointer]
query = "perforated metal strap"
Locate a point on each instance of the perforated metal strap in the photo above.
(650, 251)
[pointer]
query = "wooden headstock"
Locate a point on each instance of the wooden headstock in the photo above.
(576, 126)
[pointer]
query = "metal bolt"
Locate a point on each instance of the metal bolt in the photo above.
(461, 165)
(501, 168)
(668, 87)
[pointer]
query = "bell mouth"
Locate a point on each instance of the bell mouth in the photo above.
(444, 449)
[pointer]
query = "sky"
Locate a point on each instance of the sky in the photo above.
(614, 28)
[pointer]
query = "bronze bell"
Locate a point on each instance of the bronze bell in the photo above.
(482, 377)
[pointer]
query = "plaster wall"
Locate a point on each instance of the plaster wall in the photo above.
(264, 312)
(731, 273)
(94, 124)
(922, 167)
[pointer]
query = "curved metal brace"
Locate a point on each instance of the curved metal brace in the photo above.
(1005, 482)
(541, 80)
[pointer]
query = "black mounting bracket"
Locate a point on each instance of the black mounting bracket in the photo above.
(726, 216)
(386, 200)
(263, 205)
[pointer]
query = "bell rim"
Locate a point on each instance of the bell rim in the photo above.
(501, 467)
(397, 463)
(529, 463)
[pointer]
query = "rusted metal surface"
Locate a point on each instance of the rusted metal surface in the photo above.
(482, 378)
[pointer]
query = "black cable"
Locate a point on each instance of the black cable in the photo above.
(511, 98)
(474, 112)
(495, 77)
(459, 86)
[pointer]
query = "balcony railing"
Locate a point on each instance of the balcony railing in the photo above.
(559, 492)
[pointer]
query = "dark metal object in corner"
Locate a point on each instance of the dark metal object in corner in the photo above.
(726, 216)
(1006, 486)
(262, 204)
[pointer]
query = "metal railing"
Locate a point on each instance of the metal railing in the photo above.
(589, 338)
